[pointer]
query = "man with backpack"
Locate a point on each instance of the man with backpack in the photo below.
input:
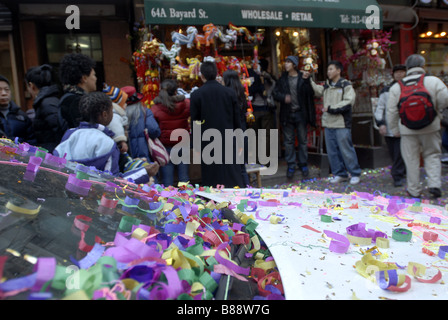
(413, 112)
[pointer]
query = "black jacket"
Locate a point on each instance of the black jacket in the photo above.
(45, 123)
(216, 106)
(17, 124)
(305, 98)
(69, 106)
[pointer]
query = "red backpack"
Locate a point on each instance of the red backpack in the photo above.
(415, 106)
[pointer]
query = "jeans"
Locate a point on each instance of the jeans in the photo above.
(341, 153)
(398, 170)
(445, 139)
(295, 122)
(167, 172)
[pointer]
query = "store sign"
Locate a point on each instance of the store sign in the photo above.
(73, 20)
(282, 13)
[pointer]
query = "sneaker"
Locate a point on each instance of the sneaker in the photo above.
(338, 179)
(305, 172)
(435, 192)
(290, 173)
(354, 180)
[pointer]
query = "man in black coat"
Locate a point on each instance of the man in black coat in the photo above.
(297, 111)
(13, 121)
(215, 107)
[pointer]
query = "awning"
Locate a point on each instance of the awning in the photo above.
(342, 14)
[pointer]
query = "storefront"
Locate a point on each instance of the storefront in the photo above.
(39, 34)
(297, 19)
(432, 40)
(266, 29)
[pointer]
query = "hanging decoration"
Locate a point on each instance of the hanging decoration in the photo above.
(375, 49)
(258, 37)
(170, 54)
(188, 40)
(370, 59)
(188, 72)
(309, 58)
(148, 60)
(228, 38)
(151, 86)
(208, 37)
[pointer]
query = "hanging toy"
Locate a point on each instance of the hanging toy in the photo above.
(151, 48)
(241, 31)
(140, 65)
(228, 38)
(193, 67)
(208, 37)
(258, 37)
(151, 87)
(181, 71)
(170, 54)
(256, 65)
(250, 118)
(220, 64)
(182, 39)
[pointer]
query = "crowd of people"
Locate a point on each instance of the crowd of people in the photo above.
(109, 129)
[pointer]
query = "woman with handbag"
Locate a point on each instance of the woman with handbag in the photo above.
(141, 124)
(171, 112)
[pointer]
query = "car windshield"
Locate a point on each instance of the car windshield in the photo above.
(50, 208)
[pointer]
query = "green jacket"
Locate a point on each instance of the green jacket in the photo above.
(339, 99)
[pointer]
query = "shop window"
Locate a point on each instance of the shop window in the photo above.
(436, 55)
(60, 44)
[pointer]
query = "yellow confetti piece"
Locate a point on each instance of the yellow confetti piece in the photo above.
(275, 220)
(416, 269)
(191, 227)
(265, 265)
(382, 243)
(354, 297)
(130, 284)
(22, 210)
(139, 234)
(256, 244)
(368, 266)
(77, 295)
(197, 288)
(359, 240)
(13, 252)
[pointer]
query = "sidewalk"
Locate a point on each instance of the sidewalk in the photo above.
(374, 181)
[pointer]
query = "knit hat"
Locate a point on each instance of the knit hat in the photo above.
(399, 67)
(133, 95)
(2, 78)
(294, 60)
(115, 94)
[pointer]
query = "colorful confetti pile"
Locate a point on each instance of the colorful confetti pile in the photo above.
(168, 243)
(358, 245)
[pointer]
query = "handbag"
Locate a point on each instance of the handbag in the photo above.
(157, 150)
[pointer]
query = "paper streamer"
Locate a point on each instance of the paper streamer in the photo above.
(443, 250)
(401, 234)
(339, 243)
(430, 236)
(78, 186)
(22, 210)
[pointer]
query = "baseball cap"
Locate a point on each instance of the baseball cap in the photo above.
(398, 67)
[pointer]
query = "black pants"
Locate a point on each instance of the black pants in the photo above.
(398, 170)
